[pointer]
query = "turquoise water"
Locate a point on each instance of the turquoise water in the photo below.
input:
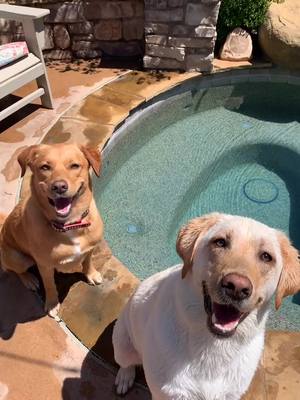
(233, 149)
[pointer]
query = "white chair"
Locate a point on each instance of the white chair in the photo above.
(31, 67)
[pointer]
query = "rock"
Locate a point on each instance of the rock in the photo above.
(156, 39)
(162, 63)
(108, 30)
(198, 62)
(84, 45)
(173, 15)
(61, 37)
(193, 31)
(7, 26)
(176, 53)
(237, 46)
(175, 3)
(88, 53)
(66, 12)
(85, 38)
(157, 4)
(204, 14)
(127, 49)
(203, 43)
(58, 55)
(205, 31)
(82, 28)
(108, 9)
(138, 6)
(279, 36)
(6, 38)
(49, 43)
(133, 29)
(156, 29)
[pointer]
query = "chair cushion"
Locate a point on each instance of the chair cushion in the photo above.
(10, 52)
(17, 67)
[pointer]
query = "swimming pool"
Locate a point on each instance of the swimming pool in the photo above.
(234, 149)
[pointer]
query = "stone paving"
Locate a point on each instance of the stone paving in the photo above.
(39, 359)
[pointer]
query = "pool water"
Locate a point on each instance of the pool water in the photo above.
(233, 149)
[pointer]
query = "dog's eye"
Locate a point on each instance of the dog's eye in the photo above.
(45, 167)
(220, 242)
(74, 166)
(266, 257)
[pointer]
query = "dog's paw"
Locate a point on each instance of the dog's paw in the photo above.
(124, 379)
(94, 278)
(52, 310)
(30, 281)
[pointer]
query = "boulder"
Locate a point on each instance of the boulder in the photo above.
(49, 43)
(279, 36)
(237, 46)
(58, 55)
(61, 37)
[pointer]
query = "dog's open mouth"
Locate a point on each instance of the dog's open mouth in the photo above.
(222, 319)
(62, 205)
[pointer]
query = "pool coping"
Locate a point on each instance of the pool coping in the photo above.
(143, 98)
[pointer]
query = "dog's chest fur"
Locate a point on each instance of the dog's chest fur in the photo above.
(71, 251)
(181, 358)
(217, 371)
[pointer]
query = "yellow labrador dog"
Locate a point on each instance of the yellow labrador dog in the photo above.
(198, 328)
(57, 226)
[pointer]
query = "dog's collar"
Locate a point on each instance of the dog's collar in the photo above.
(61, 227)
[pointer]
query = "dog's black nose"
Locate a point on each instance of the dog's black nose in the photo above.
(59, 187)
(237, 287)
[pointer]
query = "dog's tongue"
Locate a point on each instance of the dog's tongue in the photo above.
(62, 205)
(225, 317)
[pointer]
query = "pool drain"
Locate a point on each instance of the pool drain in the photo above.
(260, 191)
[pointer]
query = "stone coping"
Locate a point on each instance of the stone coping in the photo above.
(98, 115)
(89, 312)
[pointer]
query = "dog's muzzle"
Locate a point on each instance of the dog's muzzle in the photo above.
(222, 319)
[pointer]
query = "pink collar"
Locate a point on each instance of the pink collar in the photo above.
(61, 227)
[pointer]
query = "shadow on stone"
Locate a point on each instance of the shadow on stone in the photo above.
(98, 375)
(17, 304)
(18, 115)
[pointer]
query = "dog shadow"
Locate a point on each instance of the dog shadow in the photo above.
(17, 304)
(98, 373)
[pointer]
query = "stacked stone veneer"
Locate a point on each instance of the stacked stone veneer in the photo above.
(86, 29)
(171, 34)
(180, 34)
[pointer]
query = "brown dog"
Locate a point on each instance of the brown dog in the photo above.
(57, 226)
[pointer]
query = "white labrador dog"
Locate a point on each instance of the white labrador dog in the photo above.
(198, 329)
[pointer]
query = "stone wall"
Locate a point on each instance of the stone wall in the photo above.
(86, 29)
(180, 34)
(171, 34)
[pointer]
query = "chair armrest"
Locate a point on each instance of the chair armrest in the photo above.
(19, 13)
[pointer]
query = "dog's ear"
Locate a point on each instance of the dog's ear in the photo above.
(94, 158)
(289, 281)
(188, 236)
(25, 157)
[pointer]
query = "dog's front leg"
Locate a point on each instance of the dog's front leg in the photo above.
(92, 275)
(51, 297)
